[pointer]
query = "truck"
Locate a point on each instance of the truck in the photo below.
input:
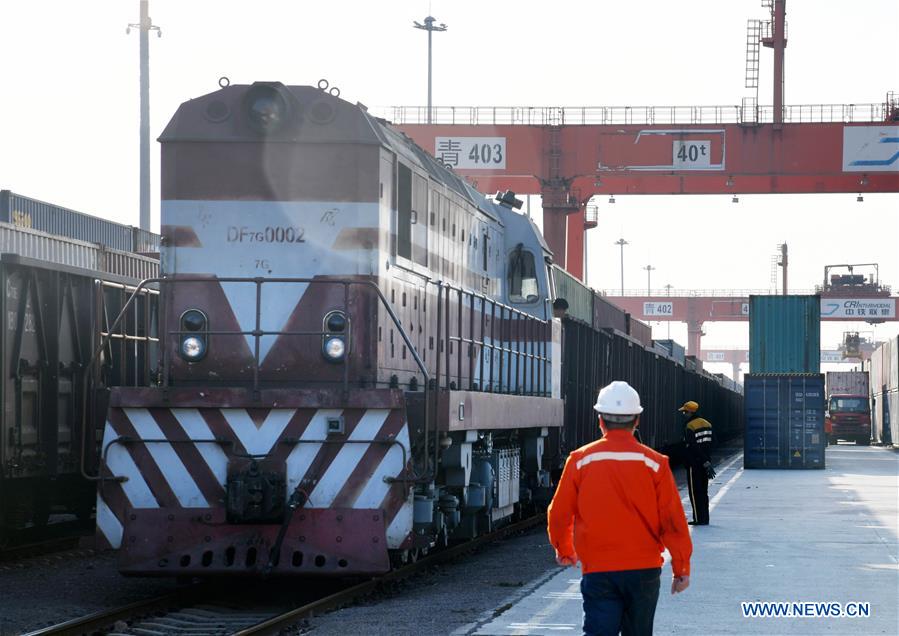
(848, 415)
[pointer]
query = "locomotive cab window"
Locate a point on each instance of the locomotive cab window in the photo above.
(523, 287)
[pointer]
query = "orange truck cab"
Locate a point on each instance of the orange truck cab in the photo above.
(848, 414)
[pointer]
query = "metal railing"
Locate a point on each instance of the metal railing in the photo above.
(124, 350)
(258, 333)
(521, 340)
(747, 114)
(699, 293)
(131, 338)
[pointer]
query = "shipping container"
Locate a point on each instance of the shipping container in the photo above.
(30, 213)
(639, 331)
(579, 296)
(607, 315)
(784, 421)
(883, 368)
(847, 383)
(672, 349)
(784, 334)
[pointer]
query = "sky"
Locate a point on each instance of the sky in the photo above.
(69, 111)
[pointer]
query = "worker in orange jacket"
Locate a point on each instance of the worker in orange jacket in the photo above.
(615, 510)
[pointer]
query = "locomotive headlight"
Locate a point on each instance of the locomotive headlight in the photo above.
(334, 349)
(194, 328)
(193, 348)
(334, 334)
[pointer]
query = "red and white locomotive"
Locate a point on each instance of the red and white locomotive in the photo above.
(358, 359)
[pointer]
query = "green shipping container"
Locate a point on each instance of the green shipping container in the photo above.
(784, 334)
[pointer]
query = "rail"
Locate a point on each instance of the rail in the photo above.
(520, 339)
(636, 115)
(131, 332)
(123, 350)
(195, 610)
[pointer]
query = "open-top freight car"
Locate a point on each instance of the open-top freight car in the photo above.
(598, 350)
(59, 295)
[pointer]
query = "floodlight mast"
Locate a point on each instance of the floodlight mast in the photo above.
(145, 26)
(430, 27)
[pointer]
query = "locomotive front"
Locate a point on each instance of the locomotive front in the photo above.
(358, 361)
(267, 444)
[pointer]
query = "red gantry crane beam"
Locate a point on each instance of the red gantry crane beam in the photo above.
(737, 357)
(568, 155)
(568, 164)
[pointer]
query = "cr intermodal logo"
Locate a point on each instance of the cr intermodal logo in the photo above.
(808, 609)
(887, 161)
(853, 307)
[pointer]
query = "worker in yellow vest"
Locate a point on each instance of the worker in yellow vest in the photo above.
(698, 442)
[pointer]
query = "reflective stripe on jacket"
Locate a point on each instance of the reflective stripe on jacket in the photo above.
(617, 507)
(698, 440)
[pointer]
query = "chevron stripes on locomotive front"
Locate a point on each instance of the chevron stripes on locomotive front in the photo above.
(176, 459)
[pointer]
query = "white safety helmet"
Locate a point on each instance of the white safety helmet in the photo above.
(618, 398)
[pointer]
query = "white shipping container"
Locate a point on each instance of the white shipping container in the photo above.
(847, 383)
(891, 366)
(885, 392)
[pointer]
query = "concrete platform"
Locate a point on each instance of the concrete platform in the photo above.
(826, 536)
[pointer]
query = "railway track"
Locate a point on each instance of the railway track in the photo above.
(199, 611)
(39, 553)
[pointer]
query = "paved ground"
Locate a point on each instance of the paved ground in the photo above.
(811, 536)
(458, 597)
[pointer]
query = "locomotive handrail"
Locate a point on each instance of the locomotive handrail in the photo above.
(110, 335)
(523, 358)
(258, 333)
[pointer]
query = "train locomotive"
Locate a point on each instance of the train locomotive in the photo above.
(358, 356)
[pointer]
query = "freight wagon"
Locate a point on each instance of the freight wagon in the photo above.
(58, 296)
(599, 346)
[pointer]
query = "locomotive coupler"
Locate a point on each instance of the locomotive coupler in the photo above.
(255, 491)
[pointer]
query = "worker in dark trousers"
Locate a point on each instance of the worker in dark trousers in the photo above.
(615, 509)
(698, 442)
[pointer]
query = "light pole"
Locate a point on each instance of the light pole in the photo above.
(648, 269)
(668, 287)
(145, 25)
(430, 27)
(621, 243)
